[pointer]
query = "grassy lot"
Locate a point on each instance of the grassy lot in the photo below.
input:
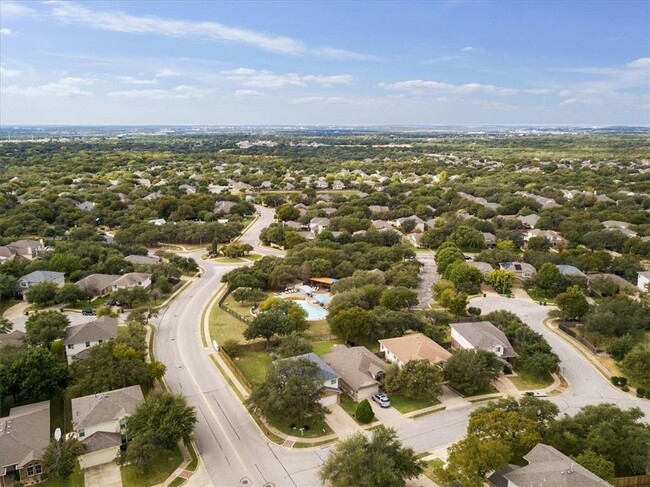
(228, 260)
(538, 296)
(406, 405)
(316, 428)
(165, 461)
(94, 304)
(224, 326)
(325, 347)
(348, 404)
(6, 304)
(525, 382)
(75, 480)
(254, 365)
(431, 465)
(319, 328)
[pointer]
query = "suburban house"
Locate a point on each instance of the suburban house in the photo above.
(643, 280)
(623, 285)
(142, 259)
(416, 346)
(546, 203)
(330, 391)
(529, 221)
(484, 267)
(97, 284)
(36, 277)
(378, 209)
(86, 205)
(382, 225)
(132, 279)
(14, 338)
(25, 249)
(24, 436)
(556, 240)
(99, 421)
(81, 337)
(359, 370)
(318, 224)
(338, 185)
(490, 239)
(223, 207)
(482, 335)
(571, 271)
(546, 467)
(415, 239)
(522, 270)
(158, 221)
(420, 224)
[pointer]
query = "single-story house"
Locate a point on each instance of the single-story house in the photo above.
(99, 421)
(132, 279)
(382, 225)
(482, 335)
(378, 209)
(338, 185)
(571, 271)
(97, 284)
(484, 267)
(546, 467)
(330, 391)
(24, 436)
(325, 282)
(522, 270)
(416, 346)
(360, 371)
(643, 280)
(490, 239)
(622, 284)
(81, 337)
(530, 221)
(36, 277)
(142, 259)
(557, 241)
(318, 224)
(420, 224)
(414, 239)
(86, 205)
(14, 338)
(223, 207)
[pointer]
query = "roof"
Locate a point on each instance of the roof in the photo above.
(100, 440)
(518, 267)
(131, 279)
(13, 338)
(324, 280)
(325, 372)
(105, 407)
(530, 220)
(223, 206)
(355, 365)
(24, 434)
(569, 270)
(42, 276)
(142, 259)
(415, 347)
(24, 244)
(97, 282)
(104, 328)
(484, 335)
(547, 466)
(484, 267)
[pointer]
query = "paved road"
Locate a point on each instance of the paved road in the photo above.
(233, 449)
(429, 276)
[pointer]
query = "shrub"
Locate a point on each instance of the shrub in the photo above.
(622, 381)
(641, 392)
(625, 389)
(474, 311)
(364, 412)
(231, 347)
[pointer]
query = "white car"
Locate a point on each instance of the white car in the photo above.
(381, 399)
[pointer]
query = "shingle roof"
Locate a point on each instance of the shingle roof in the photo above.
(97, 282)
(547, 466)
(105, 407)
(104, 328)
(353, 365)
(131, 279)
(142, 259)
(101, 440)
(13, 338)
(41, 276)
(325, 372)
(24, 434)
(416, 347)
(484, 335)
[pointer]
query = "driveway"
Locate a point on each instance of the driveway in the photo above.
(75, 319)
(390, 417)
(107, 475)
(341, 422)
(429, 276)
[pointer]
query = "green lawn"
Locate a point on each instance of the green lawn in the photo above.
(94, 304)
(325, 347)
(348, 404)
(164, 465)
(539, 296)
(6, 304)
(75, 480)
(525, 382)
(254, 365)
(319, 328)
(316, 428)
(430, 468)
(406, 405)
(229, 260)
(195, 460)
(224, 326)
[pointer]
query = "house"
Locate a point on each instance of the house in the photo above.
(420, 224)
(99, 421)
(545, 203)
(86, 205)
(321, 184)
(330, 391)
(153, 196)
(338, 185)
(375, 209)
(187, 188)
(36, 277)
(97, 284)
(142, 259)
(81, 337)
(132, 279)
(522, 270)
(571, 271)
(24, 436)
(294, 225)
(482, 335)
(557, 241)
(484, 267)
(360, 371)
(414, 239)
(546, 467)
(266, 185)
(223, 207)
(318, 224)
(26, 249)
(490, 239)
(14, 338)
(416, 346)
(158, 221)
(382, 225)
(643, 280)
(529, 221)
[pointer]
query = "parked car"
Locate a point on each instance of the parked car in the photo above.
(537, 394)
(88, 312)
(381, 399)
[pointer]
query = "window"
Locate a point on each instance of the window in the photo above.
(123, 423)
(70, 347)
(38, 469)
(100, 341)
(87, 344)
(82, 433)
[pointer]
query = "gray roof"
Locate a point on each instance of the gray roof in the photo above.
(569, 270)
(484, 335)
(529, 220)
(97, 282)
(484, 267)
(24, 434)
(131, 279)
(105, 407)
(142, 259)
(547, 466)
(42, 276)
(104, 328)
(13, 338)
(325, 372)
(223, 206)
(100, 440)
(355, 365)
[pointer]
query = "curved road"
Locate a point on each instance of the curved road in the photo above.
(233, 449)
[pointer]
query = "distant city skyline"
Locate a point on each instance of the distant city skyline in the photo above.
(325, 63)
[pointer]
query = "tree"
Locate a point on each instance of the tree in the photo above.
(41, 293)
(417, 379)
(466, 278)
(449, 297)
(539, 244)
(399, 297)
(43, 327)
(60, 457)
(281, 318)
(636, 364)
(36, 374)
(70, 293)
(445, 257)
(501, 280)
(619, 347)
(597, 464)
(572, 304)
(286, 213)
(352, 324)
(362, 462)
(7, 285)
(6, 325)
(468, 238)
(617, 316)
(250, 295)
(292, 345)
(131, 297)
(549, 280)
(541, 411)
(472, 371)
(291, 390)
(364, 412)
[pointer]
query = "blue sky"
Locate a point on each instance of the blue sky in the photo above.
(377, 63)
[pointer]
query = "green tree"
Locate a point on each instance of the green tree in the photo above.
(362, 462)
(548, 280)
(541, 244)
(6, 325)
(467, 238)
(464, 277)
(619, 347)
(70, 293)
(501, 280)
(417, 379)
(353, 324)
(60, 457)
(617, 316)
(291, 390)
(636, 364)
(472, 371)
(36, 374)
(572, 304)
(399, 297)
(292, 345)
(364, 412)
(43, 327)
(598, 465)
(7, 286)
(447, 256)
(41, 293)
(281, 318)
(250, 295)
(131, 297)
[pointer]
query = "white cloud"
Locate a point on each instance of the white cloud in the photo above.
(8, 72)
(247, 93)
(641, 63)
(166, 73)
(14, 9)
(267, 79)
(64, 87)
(181, 92)
(117, 21)
(5, 31)
(472, 49)
(136, 81)
(418, 86)
(323, 100)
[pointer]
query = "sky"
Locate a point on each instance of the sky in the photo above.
(325, 63)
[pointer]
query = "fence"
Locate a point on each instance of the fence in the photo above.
(567, 328)
(638, 481)
(231, 312)
(235, 370)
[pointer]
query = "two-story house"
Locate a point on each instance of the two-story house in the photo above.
(36, 277)
(482, 335)
(79, 338)
(416, 346)
(99, 421)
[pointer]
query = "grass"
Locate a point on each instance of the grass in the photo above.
(319, 328)
(228, 260)
(525, 381)
(406, 405)
(224, 326)
(195, 460)
(349, 405)
(538, 296)
(254, 365)
(165, 463)
(75, 480)
(304, 444)
(316, 428)
(325, 347)
(6, 304)
(430, 468)
(94, 304)
(177, 482)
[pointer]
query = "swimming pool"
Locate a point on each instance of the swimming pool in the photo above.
(313, 312)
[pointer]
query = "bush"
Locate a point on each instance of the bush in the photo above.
(622, 381)
(231, 347)
(640, 392)
(474, 311)
(625, 389)
(364, 412)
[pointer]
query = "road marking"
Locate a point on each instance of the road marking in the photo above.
(226, 416)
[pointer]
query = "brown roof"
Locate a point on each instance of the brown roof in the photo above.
(355, 365)
(13, 338)
(104, 328)
(416, 347)
(24, 434)
(94, 283)
(105, 407)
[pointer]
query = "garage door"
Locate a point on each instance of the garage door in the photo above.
(329, 400)
(98, 457)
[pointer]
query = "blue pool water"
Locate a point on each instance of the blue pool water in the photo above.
(313, 312)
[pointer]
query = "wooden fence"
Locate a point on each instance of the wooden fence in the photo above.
(638, 481)
(567, 328)
(231, 312)
(235, 370)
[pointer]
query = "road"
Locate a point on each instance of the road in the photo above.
(233, 449)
